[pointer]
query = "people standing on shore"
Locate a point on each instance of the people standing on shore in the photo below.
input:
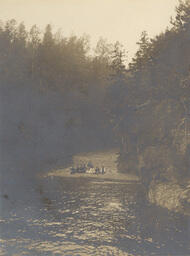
(97, 170)
(103, 170)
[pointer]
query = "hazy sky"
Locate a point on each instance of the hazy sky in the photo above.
(121, 20)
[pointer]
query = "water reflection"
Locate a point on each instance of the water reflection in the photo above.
(86, 217)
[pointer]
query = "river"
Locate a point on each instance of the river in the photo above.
(88, 216)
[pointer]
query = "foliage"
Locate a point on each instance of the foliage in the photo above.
(57, 98)
(52, 96)
(157, 92)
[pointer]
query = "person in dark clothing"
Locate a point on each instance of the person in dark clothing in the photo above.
(73, 170)
(97, 170)
(90, 165)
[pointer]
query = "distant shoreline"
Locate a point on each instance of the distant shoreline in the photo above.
(108, 159)
(107, 176)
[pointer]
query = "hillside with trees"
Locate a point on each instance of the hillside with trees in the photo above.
(58, 98)
(52, 97)
(153, 121)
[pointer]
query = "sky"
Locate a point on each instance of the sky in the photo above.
(115, 20)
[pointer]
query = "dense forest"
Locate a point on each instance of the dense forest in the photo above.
(52, 97)
(58, 97)
(153, 118)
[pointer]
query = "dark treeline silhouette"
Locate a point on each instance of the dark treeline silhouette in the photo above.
(153, 116)
(57, 99)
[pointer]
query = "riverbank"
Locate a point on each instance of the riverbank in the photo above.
(107, 176)
(108, 159)
(168, 195)
(172, 196)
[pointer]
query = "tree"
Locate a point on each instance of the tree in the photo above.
(142, 56)
(118, 61)
(33, 47)
(48, 39)
(182, 18)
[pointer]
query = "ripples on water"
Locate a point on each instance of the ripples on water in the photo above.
(73, 217)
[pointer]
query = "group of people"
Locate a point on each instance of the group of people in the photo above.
(88, 168)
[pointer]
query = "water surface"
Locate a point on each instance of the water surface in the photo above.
(85, 216)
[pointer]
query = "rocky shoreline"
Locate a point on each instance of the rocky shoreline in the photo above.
(172, 196)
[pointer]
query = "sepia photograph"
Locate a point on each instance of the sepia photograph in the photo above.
(94, 127)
